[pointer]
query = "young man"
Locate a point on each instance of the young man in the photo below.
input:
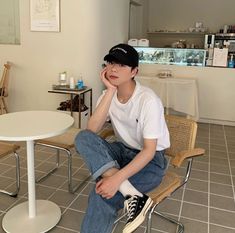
(134, 164)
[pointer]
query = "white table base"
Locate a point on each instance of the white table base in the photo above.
(17, 219)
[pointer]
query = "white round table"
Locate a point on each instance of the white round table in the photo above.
(34, 215)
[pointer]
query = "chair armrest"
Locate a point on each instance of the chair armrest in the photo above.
(186, 154)
(106, 133)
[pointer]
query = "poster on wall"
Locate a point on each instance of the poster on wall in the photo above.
(9, 22)
(45, 15)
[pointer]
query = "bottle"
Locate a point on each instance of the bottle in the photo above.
(231, 62)
(63, 78)
(71, 83)
(80, 84)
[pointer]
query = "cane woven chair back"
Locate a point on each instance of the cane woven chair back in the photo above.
(182, 135)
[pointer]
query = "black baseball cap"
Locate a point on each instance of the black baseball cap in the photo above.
(123, 54)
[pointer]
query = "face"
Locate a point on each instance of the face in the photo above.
(119, 74)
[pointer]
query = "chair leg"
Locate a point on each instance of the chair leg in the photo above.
(70, 177)
(120, 218)
(1, 106)
(4, 105)
(15, 193)
(149, 220)
(52, 170)
(179, 224)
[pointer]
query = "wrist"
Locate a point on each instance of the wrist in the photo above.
(119, 176)
(111, 90)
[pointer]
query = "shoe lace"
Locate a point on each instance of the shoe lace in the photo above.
(130, 206)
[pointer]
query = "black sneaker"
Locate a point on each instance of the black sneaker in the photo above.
(137, 208)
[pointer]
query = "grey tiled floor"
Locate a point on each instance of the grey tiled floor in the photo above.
(205, 205)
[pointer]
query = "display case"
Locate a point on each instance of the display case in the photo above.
(172, 56)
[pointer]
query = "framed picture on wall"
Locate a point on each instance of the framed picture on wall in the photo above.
(45, 15)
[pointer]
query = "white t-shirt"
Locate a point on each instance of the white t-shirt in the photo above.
(141, 117)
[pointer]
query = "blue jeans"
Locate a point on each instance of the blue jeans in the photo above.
(99, 156)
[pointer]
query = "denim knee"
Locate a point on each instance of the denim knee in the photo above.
(83, 139)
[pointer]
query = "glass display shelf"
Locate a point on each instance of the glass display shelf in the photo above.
(172, 56)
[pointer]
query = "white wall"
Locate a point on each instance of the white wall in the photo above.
(88, 29)
(180, 15)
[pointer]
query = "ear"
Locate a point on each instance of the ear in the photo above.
(134, 72)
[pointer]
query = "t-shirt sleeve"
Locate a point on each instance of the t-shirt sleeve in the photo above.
(153, 120)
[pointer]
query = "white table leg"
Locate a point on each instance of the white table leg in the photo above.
(31, 179)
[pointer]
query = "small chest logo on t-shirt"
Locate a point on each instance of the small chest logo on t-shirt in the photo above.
(136, 120)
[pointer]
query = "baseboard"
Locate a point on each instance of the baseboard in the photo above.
(217, 122)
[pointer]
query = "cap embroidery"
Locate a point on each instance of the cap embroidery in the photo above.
(117, 48)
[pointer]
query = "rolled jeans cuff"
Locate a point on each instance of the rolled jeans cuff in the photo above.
(104, 168)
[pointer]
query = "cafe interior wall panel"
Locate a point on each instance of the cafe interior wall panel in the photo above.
(180, 15)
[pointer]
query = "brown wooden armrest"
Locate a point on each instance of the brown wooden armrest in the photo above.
(106, 133)
(179, 158)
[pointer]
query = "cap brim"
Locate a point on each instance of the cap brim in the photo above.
(116, 57)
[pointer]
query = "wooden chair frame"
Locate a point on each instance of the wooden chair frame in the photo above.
(4, 88)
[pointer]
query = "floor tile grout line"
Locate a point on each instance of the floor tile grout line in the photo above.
(175, 215)
(215, 194)
(227, 227)
(209, 223)
(225, 210)
(209, 178)
(68, 229)
(68, 207)
(230, 170)
(216, 173)
(203, 205)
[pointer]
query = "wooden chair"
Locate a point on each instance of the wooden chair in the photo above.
(64, 142)
(4, 88)
(182, 136)
(6, 149)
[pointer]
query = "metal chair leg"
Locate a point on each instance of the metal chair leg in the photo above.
(120, 218)
(179, 224)
(15, 193)
(70, 178)
(149, 220)
(52, 170)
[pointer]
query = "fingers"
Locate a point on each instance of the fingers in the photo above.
(98, 186)
(103, 73)
(99, 190)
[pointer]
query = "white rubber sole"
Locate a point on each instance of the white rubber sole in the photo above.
(130, 227)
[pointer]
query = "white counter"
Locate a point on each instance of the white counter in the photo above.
(216, 89)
